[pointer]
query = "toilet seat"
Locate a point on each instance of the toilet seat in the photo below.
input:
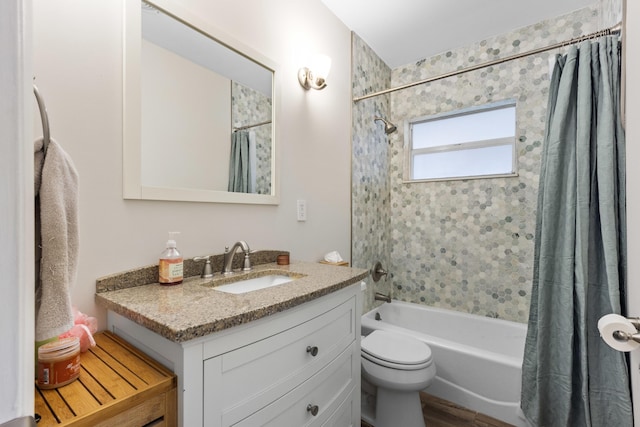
(396, 351)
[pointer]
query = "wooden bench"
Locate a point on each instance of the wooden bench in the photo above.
(118, 386)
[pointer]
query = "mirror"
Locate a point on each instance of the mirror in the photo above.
(198, 113)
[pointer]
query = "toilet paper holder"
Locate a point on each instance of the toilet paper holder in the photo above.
(625, 336)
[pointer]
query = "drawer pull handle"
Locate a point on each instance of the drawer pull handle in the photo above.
(312, 350)
(313, 409)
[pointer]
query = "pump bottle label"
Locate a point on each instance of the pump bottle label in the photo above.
(170, 271)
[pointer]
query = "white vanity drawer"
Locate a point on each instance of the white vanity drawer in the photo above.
(327, 394)
(255, 375)
(344, 415)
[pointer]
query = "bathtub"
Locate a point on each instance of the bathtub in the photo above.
(478, 359)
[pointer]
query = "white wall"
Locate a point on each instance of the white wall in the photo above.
(78, 60)
(181, 146)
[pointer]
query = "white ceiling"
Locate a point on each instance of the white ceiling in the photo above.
(404, 31)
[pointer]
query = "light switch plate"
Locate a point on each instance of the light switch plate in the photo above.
(301, 209)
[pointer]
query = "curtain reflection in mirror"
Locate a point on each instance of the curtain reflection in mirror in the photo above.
(240, 176)
(252, 109)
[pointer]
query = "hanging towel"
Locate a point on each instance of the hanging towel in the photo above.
(56, 235)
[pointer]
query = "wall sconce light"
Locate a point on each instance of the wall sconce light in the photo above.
(315, 76)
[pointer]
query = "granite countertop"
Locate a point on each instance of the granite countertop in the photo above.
(195, 309)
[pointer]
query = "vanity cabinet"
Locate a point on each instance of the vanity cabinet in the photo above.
(298, 367)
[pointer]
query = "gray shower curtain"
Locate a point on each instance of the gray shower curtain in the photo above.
(570, 377)
(239, 168)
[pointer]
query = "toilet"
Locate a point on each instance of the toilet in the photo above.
(397, 367)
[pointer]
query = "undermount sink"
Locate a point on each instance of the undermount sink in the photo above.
(254, 284)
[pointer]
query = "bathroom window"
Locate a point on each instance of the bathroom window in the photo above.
(474, 142)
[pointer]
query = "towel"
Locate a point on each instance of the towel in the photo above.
(56, 231)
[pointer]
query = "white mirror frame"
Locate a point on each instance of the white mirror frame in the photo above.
(131, 112)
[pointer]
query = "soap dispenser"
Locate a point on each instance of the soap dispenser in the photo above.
(170, 268)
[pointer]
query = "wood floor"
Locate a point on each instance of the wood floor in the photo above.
(441, 413)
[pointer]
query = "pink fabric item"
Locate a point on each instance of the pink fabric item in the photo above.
(84, 328)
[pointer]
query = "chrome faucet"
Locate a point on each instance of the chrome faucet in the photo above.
(228, 257)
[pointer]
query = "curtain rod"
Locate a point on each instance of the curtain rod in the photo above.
(606, 32)
(252, 126)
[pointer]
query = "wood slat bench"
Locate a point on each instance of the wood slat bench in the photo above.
(118, 386)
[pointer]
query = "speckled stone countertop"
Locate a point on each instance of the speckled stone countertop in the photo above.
(195, 309)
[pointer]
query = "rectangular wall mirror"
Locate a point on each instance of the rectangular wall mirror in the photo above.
(199, 111)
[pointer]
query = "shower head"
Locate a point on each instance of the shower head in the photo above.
(388, 126)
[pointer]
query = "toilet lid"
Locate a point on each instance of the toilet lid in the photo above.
(396, 348)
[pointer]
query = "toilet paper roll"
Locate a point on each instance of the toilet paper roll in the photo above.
(610, 323)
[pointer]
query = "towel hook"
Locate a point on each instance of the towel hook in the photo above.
(46, 136)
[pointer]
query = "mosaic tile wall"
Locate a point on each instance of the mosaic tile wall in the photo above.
(468, 245)
(461, 245)
(251, 107)
(370, 168)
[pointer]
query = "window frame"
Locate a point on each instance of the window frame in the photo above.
(410, 152)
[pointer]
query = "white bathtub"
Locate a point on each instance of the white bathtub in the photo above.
(478, 359)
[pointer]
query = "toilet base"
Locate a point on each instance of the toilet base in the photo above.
(395, 408)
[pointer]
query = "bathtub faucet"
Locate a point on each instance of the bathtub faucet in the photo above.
(382, 297)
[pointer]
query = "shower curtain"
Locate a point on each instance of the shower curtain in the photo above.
(239, 167)
(570, 377)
